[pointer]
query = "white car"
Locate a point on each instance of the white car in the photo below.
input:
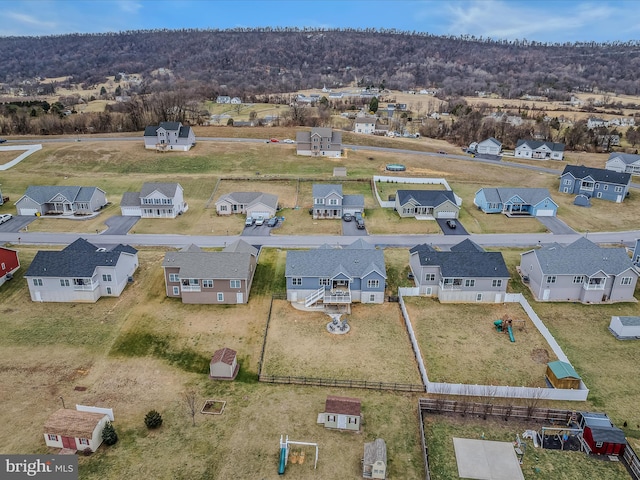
(5, 218)
(259, 220)
(288, 140)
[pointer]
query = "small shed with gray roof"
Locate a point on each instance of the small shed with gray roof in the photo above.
(624, 328)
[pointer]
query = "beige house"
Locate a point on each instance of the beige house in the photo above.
(74, 430)
(342, 413)
(197, 276)
(374, 463)
(252, 203)
(224, 364)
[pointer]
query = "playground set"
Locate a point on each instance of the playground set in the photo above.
(294, 456)
(506, 324)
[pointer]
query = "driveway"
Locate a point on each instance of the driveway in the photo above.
(256, 231)
(447, 230)
(119, 225)
(17, 223)
(350, 229)
(556, 226)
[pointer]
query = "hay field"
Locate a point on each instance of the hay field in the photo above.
(376, 348)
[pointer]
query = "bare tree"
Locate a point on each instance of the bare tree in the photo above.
(190, 399)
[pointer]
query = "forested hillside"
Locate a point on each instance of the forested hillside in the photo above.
(259, 61)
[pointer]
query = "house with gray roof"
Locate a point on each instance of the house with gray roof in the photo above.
(330, 202)
(198, 276)
(169, 136)
(490, 146)
(636, 253)
(365, 124)
(623, 163)
(319, 142)
(426, 203)
(61, 200)
(595, 183)
(466, 273)
(329, 276)
(580, 272)
(80, 272)
(252, 203)
(154, 200)
(538, 150)
(516, 202)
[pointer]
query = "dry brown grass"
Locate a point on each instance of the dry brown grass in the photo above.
(375, 349)
(460, 344)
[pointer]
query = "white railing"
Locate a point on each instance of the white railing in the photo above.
(594, 286)
(342, 298)
(190, 288)
(89, 287)
(314, 297)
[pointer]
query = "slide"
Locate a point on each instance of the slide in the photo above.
(283, 460)
(511, 337)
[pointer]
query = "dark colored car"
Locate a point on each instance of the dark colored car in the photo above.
(451, 223)
(347, 217)
(359, 220)
(272, 222)
(2, 140)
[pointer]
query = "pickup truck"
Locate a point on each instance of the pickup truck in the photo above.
(249, 221)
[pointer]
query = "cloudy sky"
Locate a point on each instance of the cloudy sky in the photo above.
(540, 20)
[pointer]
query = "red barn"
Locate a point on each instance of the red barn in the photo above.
(600, 435)
(9, 263)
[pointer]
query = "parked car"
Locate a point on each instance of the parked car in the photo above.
(359, 220)
(5, 218)
(442, 152)
(249, 221)
(274, 140)
(451, 224)
(347, 217)
(273, 221)
(288, 140)
(2, 140)
(259, 221)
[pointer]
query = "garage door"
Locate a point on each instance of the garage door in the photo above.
(446, 215)
(545, 213)
(28, 211)
(257, 214)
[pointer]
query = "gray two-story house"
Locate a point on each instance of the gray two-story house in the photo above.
(169, 136)
(330, 202)
(319, 142)
(154, 200)
(580, 272)
(595, 183)
(466, 273)
(336, 276)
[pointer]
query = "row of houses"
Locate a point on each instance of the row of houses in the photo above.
(579, 272)
(530, 149)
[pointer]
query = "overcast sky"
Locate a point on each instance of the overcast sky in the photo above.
(540, 20)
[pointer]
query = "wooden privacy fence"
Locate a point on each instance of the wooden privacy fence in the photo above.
(331, 382)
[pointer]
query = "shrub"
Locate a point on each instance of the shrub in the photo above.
(87, 451)
(153, 419)
(109, 435)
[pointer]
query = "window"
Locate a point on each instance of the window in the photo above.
(373, 283)
(599, 195)
(52, 437)
(605, 187)
(296, 281)
(223, 208)
(578, 279)
(84, 441)
(496, 283)
(625, 281)
(551, 279)
(176, 290)
(324, 282)
(567, 182)
(174, 277)
(353, 420)
(469, 283)
(3, 266)
(220, 297)
(108, 290)
(37, 282)
(597, 185)
(429, 277)
(234, 283)
(64, 282)
(207, 283)
(618, 189)
(333, 201)
(598, 444)
(319, 201)
(106, 278)
(479, 297)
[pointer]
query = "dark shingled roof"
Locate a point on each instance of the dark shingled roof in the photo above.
(598, 174)
(463, 263)
(431, 198)
(224, 355)
(343, 405)
(534, 144)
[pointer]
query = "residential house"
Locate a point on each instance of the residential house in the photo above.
(330, 202)
(319, 142)
(336, 276)
(80, 272)
(236, 101)
(224, 364)
(154, 200)
(601, 436)
(169, 136)
(594, 122)
(539, 150)
(224, 277)
(608, 141)
(374, 460)
(516, 202)
(365, 124)
(595, 182)
(251, 203)
(342, 413)
(623, 163)
(490, 146)
(636, 253)
(580, 272)
(9, 263)
(53, 200)
(223, 99)
(75, 430)
(427, 203)
(466, 273)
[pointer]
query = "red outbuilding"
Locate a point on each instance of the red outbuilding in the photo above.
(600, 435)
(9, 263)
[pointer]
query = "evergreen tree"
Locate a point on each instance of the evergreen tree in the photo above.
(153, 419)
(109, 435)
(373, 105)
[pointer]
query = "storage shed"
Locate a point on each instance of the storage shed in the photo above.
(625, 327)
(74, 430)
(600, 435)
(374, 463)
(342, 413)
(562, 375)
(224, 365)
